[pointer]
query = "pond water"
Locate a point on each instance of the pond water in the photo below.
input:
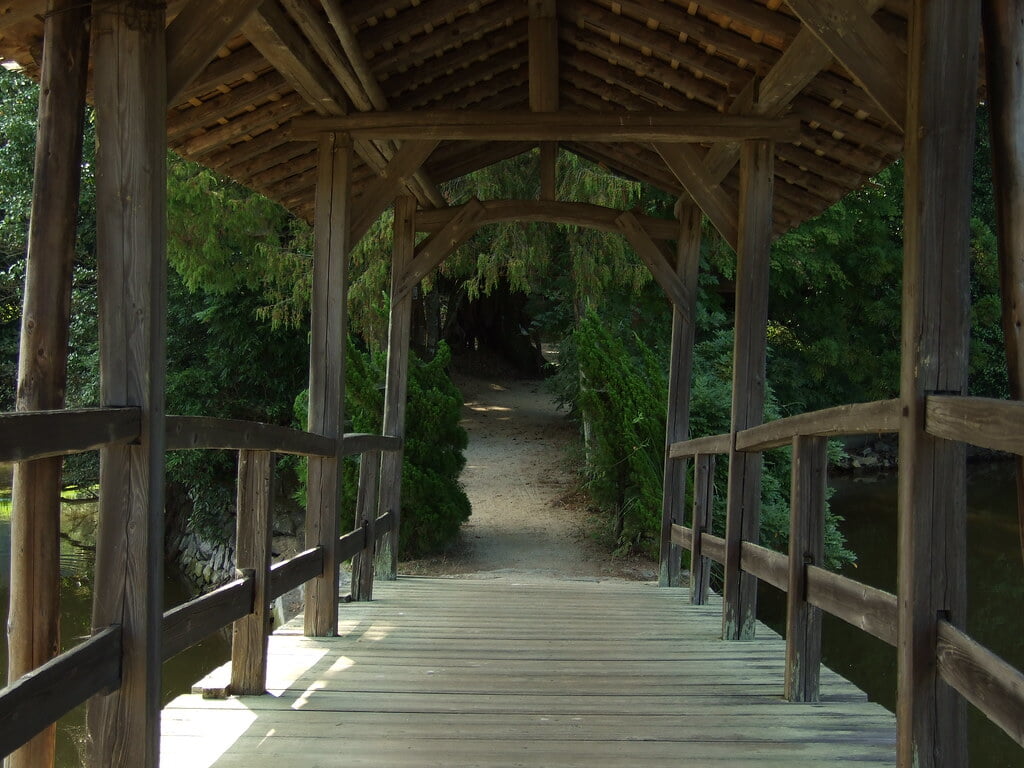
(995, 578)
(76, 564)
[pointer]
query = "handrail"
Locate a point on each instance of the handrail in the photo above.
(700, 445)
(878, 417)
(982, 421)
(28, 435)
(203, 432)
(188, 623)
(289, 574)
(34, 701)
(357, 442)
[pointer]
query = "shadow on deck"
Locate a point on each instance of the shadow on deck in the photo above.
(500, 672)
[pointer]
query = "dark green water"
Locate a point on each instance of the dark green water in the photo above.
(995, 586)
(76, 607)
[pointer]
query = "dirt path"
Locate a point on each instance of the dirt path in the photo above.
(527, 518)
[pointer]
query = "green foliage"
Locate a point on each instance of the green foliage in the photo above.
(433, 502)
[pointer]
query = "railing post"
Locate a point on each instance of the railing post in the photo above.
(366, 511)
(397, 379)
(677, 422)
(131, 230)
(743, 507)
(33, 626)
(703, 504)
(327, 374)
(942, 89)
(806, 547)
(253, 534)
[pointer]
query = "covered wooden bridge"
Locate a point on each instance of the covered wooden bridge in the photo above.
(757, 113)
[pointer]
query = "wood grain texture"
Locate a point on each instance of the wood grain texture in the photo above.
(31, 703)
(864, 607)
(703, 506)
(130, 94)
(39, 434)
(295, 571)
(709, 446)
(327, 372)
(941, 104)
(677, 419)
(766, 564)
(743, 505)
(350, 544)
(396, 384)
(186, 624)
(687, 165)
(202, 432)
(366, 518)
(806, 547)
(879, 417)
(33, 627)
(254, 528)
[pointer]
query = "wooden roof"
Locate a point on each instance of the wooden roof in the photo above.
(294, 58)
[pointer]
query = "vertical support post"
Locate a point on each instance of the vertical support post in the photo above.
(366, 511)
(131, 229)
(1003, 22)
(327, 373)
(544, 96)
(806, 547)
(396, 384)
(33, 627)
(941, 99)
(253, 532)
(703, 504)
(677, 423)
(549, 170)
(749, 349)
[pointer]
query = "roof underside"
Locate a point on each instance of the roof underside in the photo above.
(613, 55)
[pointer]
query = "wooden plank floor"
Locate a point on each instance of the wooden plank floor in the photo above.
(476, 672)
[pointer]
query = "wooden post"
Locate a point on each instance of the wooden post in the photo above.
(544, 96)
(703, 503)
(33, 626)
(366, 511)
(806, 547)
(744, 501)
(941, 101)
(131, 233)
(327, 373)
(395, 387)
(253, 533)
(677, 423)
(1003, 22)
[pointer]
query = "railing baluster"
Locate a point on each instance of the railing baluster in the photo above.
(366, 515)
(806, 547)
(254, 528)
(703, 502)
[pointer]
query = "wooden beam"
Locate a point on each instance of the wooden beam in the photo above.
(1003, 21)
(657, 261)
(543, 37)
(130, 94)
(366, 517)
(743, 505)
(327, 373)
(846, 28)
(396, 384)
(466, 125)
(33, 627)
(196, 34)
(687, 166)
(932, 580)
(677, 420)
(435, 249)
(403, 165)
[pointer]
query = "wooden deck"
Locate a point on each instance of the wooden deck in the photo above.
(460, 672)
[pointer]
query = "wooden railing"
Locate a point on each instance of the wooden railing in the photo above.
(980, 676)
(36, 700)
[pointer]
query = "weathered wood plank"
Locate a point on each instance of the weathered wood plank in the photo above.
(354, 443)
(687, 166)
(656, 260)
(130, 79)
(350, 544)
(682, 536)
(806, 547)
(981, 421)
(289, 574)
(38, 434)
(984, 679)
(32, 702)
(708, 446)
(941, 103)
(467, 125)
(864, 607)
(366, 517)
(328, 322)
(881, 416)
(254, 531)
(766, 564)
(743, 505)
(187, 624)
(194, 432)
(389, 183)
(713, 547)
(396, 384)
(436, 248)
(703, 505)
